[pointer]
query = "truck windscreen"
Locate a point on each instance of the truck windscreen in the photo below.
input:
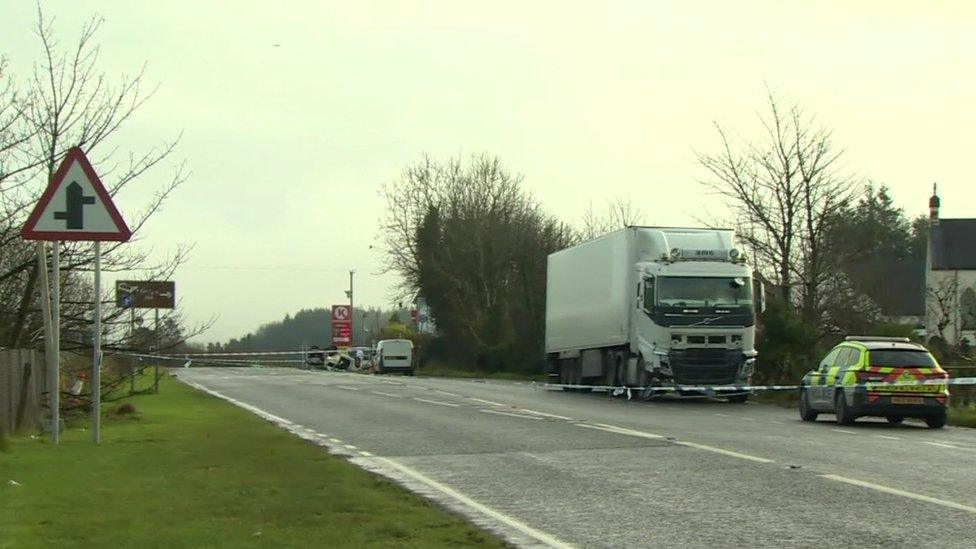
(673, 291)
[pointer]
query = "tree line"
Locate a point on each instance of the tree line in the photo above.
(835, 253)
(65, 100)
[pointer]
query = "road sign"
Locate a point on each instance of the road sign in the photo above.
(145, 294)
(75, 206)
(341, 312)
(341, 325)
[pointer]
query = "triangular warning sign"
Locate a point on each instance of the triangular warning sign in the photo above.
(75, 206)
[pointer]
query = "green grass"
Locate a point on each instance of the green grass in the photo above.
(442, 370)
(189, 470)
(963, 417)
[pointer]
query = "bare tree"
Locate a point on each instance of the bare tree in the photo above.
(618, 213)
(942, 305)
(66, 102)
(780, 192)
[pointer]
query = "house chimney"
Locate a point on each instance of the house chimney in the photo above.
(934, 206)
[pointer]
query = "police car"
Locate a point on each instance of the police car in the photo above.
(861, 377)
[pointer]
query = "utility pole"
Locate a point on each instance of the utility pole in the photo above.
(352, 313)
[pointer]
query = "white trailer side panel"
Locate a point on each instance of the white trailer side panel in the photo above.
(589, 294)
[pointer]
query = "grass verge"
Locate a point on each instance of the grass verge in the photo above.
(184, 469)
(442, 370)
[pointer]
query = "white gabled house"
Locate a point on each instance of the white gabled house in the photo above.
(950, 278)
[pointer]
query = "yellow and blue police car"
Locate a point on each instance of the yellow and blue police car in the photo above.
(890, 377)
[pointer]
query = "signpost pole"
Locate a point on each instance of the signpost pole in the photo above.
(96, 384)
(352, 333)
(56, 332)
(47, 318)
(156, 359)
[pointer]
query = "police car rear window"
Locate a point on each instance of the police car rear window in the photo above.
(901, 358)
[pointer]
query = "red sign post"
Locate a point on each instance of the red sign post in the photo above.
(341, 325)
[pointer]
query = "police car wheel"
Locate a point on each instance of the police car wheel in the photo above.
(936, 422)
(844, 416)
(895, 420)
(807, 413)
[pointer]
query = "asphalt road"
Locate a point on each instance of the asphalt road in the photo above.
(548, 468)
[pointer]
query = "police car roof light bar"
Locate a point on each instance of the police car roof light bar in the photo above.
(878, 338)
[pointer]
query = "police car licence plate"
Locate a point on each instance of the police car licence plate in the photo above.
(907, 400)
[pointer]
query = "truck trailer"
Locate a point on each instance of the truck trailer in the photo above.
(652, 307)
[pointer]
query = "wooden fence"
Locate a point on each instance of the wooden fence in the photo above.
(22, 388)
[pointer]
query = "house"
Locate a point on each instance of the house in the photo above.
(950, 278)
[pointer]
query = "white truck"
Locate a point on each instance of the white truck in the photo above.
(652, 307)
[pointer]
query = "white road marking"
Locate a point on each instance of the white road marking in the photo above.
(461, 498)
(729, 453)
(747, 418)
(366, 454)
(335, 440)
(545, 414)
(446, 393)
(888, 437)
(721, 415)
(846, 432)
(620, 430)
(943, 445)
(903, 493)
(488, 402)
(351, 447)
(385, 394)
(509, 414)
(774, 421)
(642, 434)
(457, 496)
(346, 387)
(437, 402)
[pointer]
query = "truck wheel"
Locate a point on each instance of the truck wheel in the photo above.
(807, 413)
(844, 415)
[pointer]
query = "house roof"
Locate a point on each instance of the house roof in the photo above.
(952, 245)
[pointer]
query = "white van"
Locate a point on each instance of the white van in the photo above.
(394, 355)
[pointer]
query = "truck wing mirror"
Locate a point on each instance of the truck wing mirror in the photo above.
(759, 294)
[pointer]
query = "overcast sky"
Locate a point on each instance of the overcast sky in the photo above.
(295, 113)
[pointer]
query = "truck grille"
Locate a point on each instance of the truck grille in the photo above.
(705, 365)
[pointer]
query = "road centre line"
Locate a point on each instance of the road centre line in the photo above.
(624, 431)
(721, 415)
(365, 454)
(554, 416)
(351, 447)
(449, 492)
(620, 430)
(888, 437)
(747, 418)
(943, 445)
(729, 453)
(348, 388)
(448, 394)
(509, 414)
(437, 402)
(386, 394)
(846, 432)
(488, 402)
(903, 493)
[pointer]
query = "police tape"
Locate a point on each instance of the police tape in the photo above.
(751, 388)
